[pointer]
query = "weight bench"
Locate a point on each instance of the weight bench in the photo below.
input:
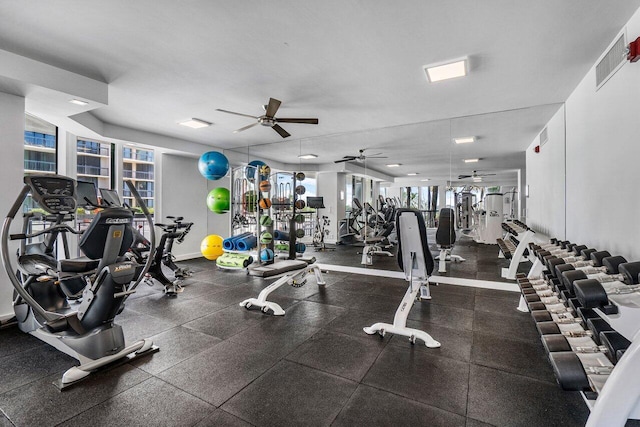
(292, 272)
(414, 258)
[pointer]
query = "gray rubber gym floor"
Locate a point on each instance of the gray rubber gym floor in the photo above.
(220, 364)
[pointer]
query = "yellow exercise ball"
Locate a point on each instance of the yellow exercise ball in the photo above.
(211, 247)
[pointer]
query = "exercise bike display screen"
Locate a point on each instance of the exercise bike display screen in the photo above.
(87, 195)
(54, 194)
(110, 197)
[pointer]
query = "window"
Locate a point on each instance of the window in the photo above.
(94, 162)
(40, 147)
(40, 151)
(139, 168)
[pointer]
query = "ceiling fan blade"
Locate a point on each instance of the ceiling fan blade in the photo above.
(272, 107)
(246, 127)
(283, 133)
(464, 176)
(344, 160)
(302, 121)
(486, 174)
(376, 157)
(237, 114)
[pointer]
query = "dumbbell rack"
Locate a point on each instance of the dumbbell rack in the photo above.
(619, 397)
(616, 394)
(518, 235)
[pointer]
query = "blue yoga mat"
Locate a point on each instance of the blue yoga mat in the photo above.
(229, 244)
(246, 243)
(280, 235)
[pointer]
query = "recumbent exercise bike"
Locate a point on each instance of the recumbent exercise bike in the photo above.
(163, 267)
(71, 304)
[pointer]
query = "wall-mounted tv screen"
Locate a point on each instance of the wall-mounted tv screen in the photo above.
(315, 202)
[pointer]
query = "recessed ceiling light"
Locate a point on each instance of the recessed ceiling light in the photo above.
(424, 180)
(445, 71)
(307, 156)
(465, 140)
(78, 102)
(471, 160)
(195, 123)
(394, 165)
(412, 173)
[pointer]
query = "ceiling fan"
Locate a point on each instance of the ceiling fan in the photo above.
(269, 119)
(475, 175)
(360, 157)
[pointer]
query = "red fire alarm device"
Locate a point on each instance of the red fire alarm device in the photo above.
(536, 149)
(634, 50)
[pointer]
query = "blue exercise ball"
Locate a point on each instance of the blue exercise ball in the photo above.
(266, 254)
(251, 171)
(213, 165)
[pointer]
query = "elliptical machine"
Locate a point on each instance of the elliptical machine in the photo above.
(46, 301)
(163, 265)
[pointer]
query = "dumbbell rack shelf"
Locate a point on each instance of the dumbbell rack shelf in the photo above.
(523, 235)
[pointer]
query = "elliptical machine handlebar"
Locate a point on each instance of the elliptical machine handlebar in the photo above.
(152, 234)
(59, 228)
(48, 316)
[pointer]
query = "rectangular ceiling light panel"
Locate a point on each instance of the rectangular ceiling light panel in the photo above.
(465, 140)
(445, 71)
(471, 160)
(195, 123)
(307, 156)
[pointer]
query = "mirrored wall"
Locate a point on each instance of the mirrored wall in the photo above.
(425, 166)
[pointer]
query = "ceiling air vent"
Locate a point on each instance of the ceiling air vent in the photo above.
(611, 61)
(544, 137)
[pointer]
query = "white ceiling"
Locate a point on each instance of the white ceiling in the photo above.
(356, 65)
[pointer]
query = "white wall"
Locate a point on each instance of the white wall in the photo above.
(183, 192)
(546, 181)
(602, 159)
(11, 172)
(603, 132)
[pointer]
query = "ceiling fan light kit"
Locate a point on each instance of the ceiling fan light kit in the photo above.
(269, 118)
(360, 157)
(477, 177)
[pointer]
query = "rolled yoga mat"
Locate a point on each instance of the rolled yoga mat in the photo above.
(246, 243)
(232, 260)
(229, 244)
(280, 235)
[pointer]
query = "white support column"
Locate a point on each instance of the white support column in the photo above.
(11, 173)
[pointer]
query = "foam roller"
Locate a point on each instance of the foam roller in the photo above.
(280, 235)
(229, 244)
(247, 243)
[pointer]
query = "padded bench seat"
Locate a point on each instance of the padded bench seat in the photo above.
(281, 267)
